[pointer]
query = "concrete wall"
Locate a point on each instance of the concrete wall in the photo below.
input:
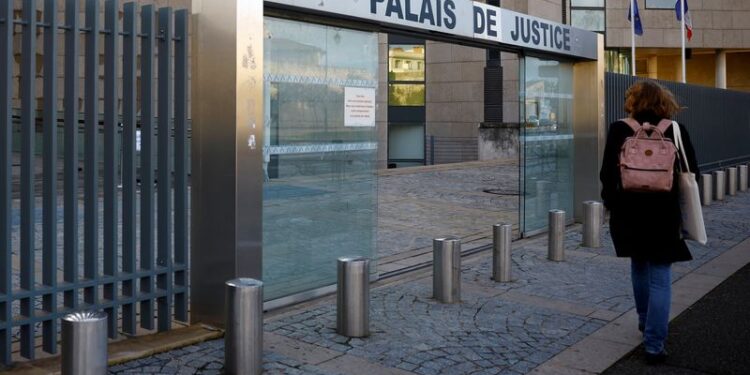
(455, 89)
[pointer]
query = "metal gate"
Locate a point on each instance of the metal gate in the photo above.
(130, 259)
(718, 119)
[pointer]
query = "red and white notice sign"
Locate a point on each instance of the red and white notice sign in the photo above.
(359, 106)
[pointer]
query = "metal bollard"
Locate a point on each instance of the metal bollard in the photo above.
(501, 250)
(353, 297)
(732, 181)
(592, 223)
(707, 192)
(721, 187)
(446, 269)
(243, 339)
(84, 343)
(556, 235)
(743, 177)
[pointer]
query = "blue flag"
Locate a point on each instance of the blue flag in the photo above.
(638, 24)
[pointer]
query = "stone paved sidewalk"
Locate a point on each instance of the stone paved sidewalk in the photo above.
(497, 329)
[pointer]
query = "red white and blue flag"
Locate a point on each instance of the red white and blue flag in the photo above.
(688, 19)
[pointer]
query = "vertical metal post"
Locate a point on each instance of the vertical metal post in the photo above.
(49, 248)
(181, 162)
(91, 163)
(164, 200)
(732, 181)
(28, 143)
(592, 223)
(743, 177)
(446, 269)
(70, 204)
(243, 340)
(721, 188)
(227, 153)
(111, 97)
(501, 252)
(84, 344)
(148, 48)
(556, 236)
(6, 176)
(353, 297)
(707, 189)
(129, 120)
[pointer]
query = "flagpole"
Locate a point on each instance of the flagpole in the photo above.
(632, 35)
(682, 24)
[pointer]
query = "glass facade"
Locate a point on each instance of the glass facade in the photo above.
(547, 169)
(320, 155)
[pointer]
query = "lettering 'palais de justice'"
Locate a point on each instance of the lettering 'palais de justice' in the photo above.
(433, 12)
(541, 33)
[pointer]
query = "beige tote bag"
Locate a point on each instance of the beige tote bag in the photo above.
(693, 227)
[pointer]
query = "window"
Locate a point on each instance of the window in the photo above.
(587, 3)
(661, 4)
(406, 75)
(592, 20)
(406, 101)
(406, 95)
(588, 14)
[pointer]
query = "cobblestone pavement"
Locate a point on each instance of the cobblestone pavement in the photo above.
(497, 328)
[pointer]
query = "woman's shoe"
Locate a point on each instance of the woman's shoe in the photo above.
(655, 359)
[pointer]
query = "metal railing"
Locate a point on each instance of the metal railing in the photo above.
(444, 150)
(718, 120)
(141, 276)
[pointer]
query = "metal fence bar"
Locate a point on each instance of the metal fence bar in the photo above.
(70, 199)
(29, 295)
(164, 199)
(49, 266)
(148, 29)
(28, 131)
(111, 97)
(128, 175)
(181, 160)
(6, 159)
(91, 165)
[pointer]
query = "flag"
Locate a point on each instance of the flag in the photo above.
(638, 24)
(688, 19)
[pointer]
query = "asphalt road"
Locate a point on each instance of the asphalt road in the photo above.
(711, 337)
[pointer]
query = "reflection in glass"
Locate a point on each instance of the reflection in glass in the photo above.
(319, 195)
(406, 62)
(406, 94)
(592, 20)
(547, 109)
(661, 4)
(587, 3)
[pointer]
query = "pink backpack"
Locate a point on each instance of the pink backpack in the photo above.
(647, 162)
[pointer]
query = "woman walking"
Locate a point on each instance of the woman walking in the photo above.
(645, 225)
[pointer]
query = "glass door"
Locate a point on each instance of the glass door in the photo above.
(319, 195)
(547, 138)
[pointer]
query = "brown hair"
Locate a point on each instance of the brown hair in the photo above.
(650, 98)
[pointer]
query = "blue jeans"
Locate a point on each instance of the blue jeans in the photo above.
(652, 287)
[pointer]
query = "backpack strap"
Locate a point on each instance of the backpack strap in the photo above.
(632, 123)
(664, 125)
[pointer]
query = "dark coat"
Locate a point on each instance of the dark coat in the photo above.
(644, 226)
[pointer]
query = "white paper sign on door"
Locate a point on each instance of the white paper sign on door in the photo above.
(359, 106)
